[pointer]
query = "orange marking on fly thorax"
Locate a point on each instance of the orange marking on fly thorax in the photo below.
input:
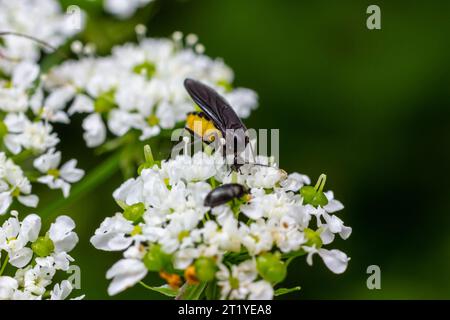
(202, 127)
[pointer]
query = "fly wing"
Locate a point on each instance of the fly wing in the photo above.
(213, 105)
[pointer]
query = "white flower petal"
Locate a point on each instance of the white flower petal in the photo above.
(125, 273)
(21, 257)
(335, 260)
(94, 130)
(29, 201)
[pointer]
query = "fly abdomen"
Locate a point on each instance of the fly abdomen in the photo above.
(223, 194)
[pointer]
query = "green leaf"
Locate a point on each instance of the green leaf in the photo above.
(281, 291)
(212, 292)
(164, 289)
(193, 292)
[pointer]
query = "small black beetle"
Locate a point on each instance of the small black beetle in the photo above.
(223, 194)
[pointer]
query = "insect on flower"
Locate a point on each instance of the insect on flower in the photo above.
(217, 119)
(224, 193)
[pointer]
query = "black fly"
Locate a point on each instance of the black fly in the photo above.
(218, 111)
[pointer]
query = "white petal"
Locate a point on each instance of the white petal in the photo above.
(29, 201)
(58, 98)
(120, 121)
(12, 143)
(65, 187)
(21, 257)
(327, 236)
(260, 290)
(111, 242)
(47, 161)
(82, 103)
(7, 287)
(70, 173)
(335, 260)
(95, 130)
(61, 292)
(346, 232)
(24, 74)
(16, 123)
(61, 234)
(5, 201)
(125, 273)
(334, 223)
(30, 228)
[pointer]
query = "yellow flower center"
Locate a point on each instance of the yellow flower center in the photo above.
(152, 120)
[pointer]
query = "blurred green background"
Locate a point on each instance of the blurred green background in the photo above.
(369, 108)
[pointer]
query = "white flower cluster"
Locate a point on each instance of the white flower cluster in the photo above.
(242, 246)
(124, 8)
(140, 87)
(31, 278)
(42, 19)
(26, 132)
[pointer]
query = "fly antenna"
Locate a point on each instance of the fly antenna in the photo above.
(40, 42)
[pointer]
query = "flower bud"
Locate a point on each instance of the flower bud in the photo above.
(172, 279)
(313, 238)
(205, 268)
(271, 268)
(156, 260)
(134, 212)
(43, 246)
(314, 195)
(190, 274)
(105, 102)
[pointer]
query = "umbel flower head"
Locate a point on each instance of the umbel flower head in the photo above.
(139, 87)
(32, 259)
(243, 246)
(26, 133)
(44, 20)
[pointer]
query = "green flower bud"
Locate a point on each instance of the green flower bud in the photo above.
(314, 195)
(43, 246)
(146, 68)
(156, 260)
(105, 102)
(271, 268)
(313, 238)
(205, 269)
(134, 212)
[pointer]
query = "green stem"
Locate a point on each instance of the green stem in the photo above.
(22, 156)
(4, 265)
(192, 292)
(98, 175)
(288, 261)
(146, 286)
